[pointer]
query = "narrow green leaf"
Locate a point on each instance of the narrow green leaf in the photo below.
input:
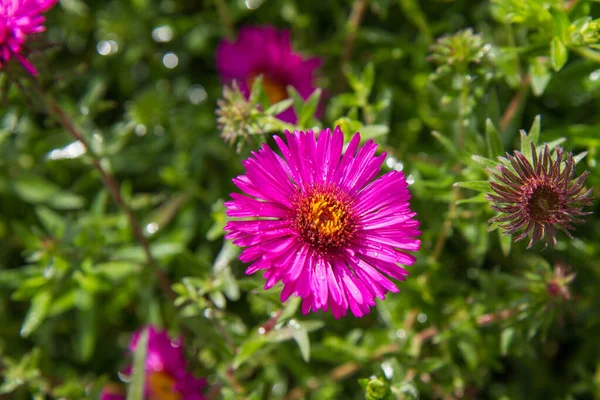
(486, 162)
(469, 353)
(368, 78)
(446, 143)
(580, 156)
(539, 70)
(53, 222)
(479, 186)
(558, 54)
(493, 140)
(353, 80)
(66, 201)
(311, 326)
(248, 349)
(506, 339)
(534, 132)
(505, 242)
(40, 304)
(279, 107)
(525, 144)
(373, 131)
(117, 270)
(34, 189)
(561, 23)
(135, 390)
(291, 306)
(257, 89)
(552, 145)
(477, 199)
(309, 108)
(300, 336)
(86, 317)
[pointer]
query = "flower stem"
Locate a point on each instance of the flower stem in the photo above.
(54, 109)
(441, 241)
(356, 16)
(514, 104)
(225, 18)
(349, 368)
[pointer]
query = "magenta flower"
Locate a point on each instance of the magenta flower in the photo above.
(166, 376)
(267, 51)
(20, 19)
(318, 221)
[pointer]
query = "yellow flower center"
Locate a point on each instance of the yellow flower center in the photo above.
(162, 387)
(274, 89)
(324, 219)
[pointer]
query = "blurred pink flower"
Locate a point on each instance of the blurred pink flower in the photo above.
(166, 376)
(320, 222)
(20, 19)
(267, 51)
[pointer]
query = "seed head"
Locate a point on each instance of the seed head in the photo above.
(538, 197)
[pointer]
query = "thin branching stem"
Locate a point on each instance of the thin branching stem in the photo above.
(109, 181)
(354, 21)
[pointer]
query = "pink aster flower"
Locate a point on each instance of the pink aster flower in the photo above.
(319, 221)
(20, 19)
(268, 52)
(166, 376)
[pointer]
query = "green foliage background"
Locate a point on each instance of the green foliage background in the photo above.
(474, 320)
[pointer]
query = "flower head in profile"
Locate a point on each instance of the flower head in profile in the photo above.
(538, 196)
(166, 376)
(19, 19)
(319, 221)
(558, 283)
(266, 51)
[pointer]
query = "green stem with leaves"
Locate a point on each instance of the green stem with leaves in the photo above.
(109, 181)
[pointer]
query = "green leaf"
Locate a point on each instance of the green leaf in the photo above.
(469, 353)
(561, 23)
(477, 199)
(558, 54)
(86, 334)
(293, 94)
(353, 80)
(279, 107)
(66, 201)
(117, 271)
(525, 144)
(34, 189)
(506, 339)
(446, 143)
(493, 140)
(256, 91)
(580, 156)
(368, 79)
(534, 131)
(373, 131)
(486, 162)
(505, 242)
(309, 108)
(539, 70)
(53, 222)
(40, 304)
(248, 349)
(311, 326)
(135, 390)
(300, 336)
(552, 145)
(479, 186)
(291, 306)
